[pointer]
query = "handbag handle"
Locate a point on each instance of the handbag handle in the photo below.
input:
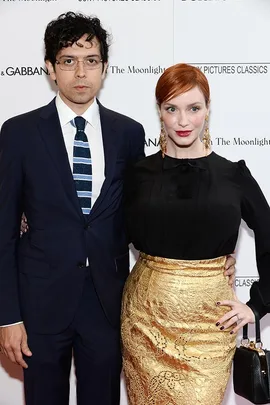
(257, 329)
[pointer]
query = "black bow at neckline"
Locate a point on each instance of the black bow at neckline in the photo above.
(171, 163)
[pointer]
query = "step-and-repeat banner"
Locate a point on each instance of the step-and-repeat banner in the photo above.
(227, 39)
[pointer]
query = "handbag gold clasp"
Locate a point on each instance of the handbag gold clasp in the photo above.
(255, 346)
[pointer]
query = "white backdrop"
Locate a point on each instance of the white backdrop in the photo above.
(227, 39)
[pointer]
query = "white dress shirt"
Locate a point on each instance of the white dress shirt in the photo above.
(94, 135)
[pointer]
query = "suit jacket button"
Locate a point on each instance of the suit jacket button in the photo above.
(87, 226)
(81, 265)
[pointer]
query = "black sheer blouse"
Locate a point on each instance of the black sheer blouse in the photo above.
(192, 209)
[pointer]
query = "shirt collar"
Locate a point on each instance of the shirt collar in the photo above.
(66, 114)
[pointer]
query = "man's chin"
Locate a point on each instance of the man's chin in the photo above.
(81, 99)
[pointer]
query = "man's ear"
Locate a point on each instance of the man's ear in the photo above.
(51, 70)
(105, 70)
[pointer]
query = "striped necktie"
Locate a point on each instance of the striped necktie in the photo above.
(82, 166)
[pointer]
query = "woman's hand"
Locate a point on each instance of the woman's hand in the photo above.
(24, 225)
(240, 313)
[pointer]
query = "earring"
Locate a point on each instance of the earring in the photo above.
(206, 136)
(163, 140)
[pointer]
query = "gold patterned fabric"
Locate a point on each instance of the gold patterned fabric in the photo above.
(173, 352)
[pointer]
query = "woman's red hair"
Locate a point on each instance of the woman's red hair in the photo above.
(178, 79)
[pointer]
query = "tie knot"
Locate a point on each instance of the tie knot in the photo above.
(80, 123)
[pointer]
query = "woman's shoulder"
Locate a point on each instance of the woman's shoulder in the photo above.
(224, 163)
(149, 162)
(237, 170)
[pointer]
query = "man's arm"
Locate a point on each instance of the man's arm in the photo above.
(13, 339)
(230, 269)
(10, 216)
(137, 143)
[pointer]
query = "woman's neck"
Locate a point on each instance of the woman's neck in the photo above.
(187, 152)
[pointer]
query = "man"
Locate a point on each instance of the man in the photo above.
(61, 283)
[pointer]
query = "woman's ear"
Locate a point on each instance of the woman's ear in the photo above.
(159, 111)
(208, 108)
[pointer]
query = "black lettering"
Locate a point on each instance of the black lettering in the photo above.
(10, 71)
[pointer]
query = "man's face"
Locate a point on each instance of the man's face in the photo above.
(78, 87)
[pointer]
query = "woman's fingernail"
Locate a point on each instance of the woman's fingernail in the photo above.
(218, 323)
(222, 327)
(218, 303)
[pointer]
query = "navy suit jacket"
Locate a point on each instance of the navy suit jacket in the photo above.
(42, 274)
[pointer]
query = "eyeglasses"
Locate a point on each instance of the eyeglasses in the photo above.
(89, 63)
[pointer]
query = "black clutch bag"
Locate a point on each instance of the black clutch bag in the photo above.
(251, 369)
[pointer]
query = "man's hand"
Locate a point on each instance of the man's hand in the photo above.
(13, 343)
(24, 225)
(230, 269)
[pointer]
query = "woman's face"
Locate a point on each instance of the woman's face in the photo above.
(184, 117)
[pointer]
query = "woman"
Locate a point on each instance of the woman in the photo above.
(184, 207)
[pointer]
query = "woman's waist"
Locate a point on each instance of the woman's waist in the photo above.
(200, 267)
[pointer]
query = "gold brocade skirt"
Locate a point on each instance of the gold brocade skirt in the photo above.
(173, 353)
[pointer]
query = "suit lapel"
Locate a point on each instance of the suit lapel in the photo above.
(110, 153)
(51, 133)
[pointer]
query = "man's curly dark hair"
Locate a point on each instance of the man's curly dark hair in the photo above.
(69, 28)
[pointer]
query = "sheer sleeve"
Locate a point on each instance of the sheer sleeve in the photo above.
(255, 212)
